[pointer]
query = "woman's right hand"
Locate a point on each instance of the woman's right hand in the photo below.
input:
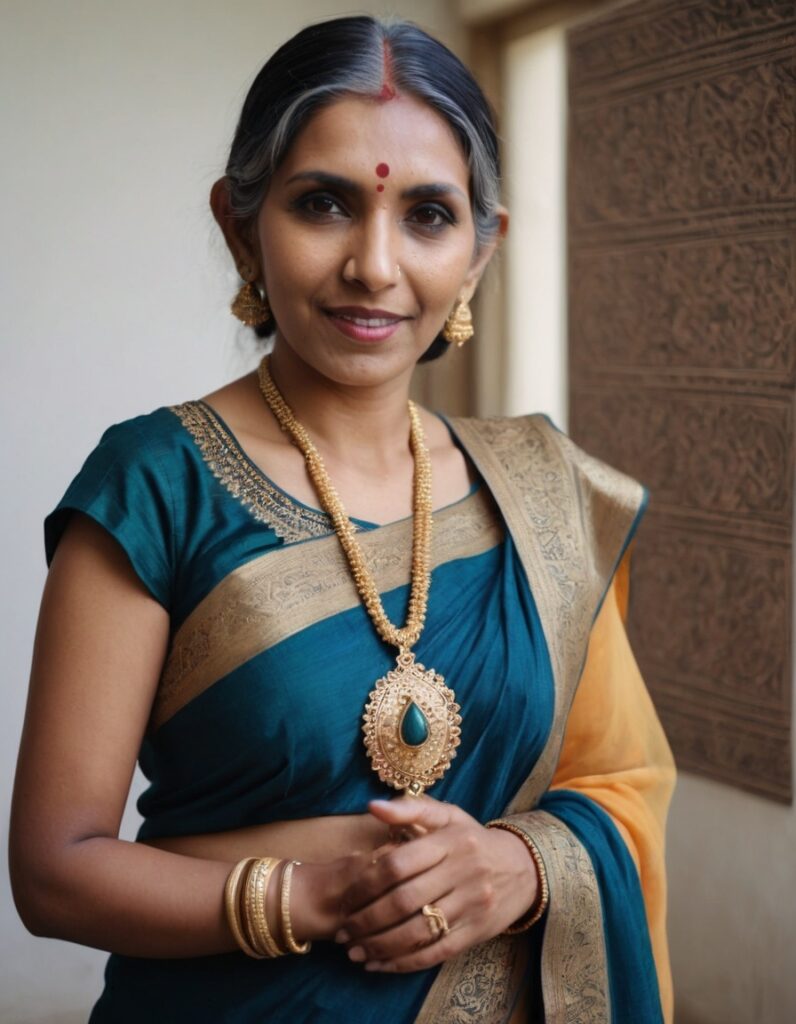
(316, 896)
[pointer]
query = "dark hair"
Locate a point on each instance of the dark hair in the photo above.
(347, 56)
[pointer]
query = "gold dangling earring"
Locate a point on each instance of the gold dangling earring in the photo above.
(459, 326)
(250, 307)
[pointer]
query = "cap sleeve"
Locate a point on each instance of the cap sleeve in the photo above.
(123, 487)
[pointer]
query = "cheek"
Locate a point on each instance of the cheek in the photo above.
(291, 264)
(440, 273)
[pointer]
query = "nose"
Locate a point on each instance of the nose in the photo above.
(372, 261)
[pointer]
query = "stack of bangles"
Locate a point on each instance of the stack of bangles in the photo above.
(245, 897)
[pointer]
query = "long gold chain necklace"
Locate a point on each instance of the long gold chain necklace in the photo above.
(411, 720)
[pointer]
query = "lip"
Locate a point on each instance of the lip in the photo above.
(349, 320)
(364, 312)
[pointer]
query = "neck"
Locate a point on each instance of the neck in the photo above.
(367, 423)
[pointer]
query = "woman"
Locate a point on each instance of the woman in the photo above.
(203, 614)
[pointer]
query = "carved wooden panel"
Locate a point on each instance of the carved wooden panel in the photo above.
(682, 308)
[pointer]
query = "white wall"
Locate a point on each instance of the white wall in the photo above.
(114, 123)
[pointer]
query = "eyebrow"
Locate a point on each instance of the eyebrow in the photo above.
(352, 187)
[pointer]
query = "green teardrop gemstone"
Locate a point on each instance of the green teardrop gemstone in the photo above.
(414, 726)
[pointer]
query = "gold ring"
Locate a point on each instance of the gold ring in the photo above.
(437, 924)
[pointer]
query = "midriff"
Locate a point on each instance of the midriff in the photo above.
(306, 839)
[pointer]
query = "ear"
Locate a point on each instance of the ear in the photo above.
(484, 255)
(237, 235)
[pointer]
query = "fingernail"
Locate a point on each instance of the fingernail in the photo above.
(342, 936)
(373, 965)
(357, 954)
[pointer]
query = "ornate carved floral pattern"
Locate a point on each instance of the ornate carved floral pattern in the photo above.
(682, 219)
(714, 453)
(645, 35)
(730, 592)
(713, 306)
(751, 756)
(719, 663)
(725, 139)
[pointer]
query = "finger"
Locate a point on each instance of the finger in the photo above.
(413, 810)
(382, 850)
(412, 936)
(436, 953)
(392, 868)
(406, 833)
(400, 903)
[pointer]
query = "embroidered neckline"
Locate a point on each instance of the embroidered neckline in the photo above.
(290, 520)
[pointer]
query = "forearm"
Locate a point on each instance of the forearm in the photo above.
(133, 899)
(127, 898)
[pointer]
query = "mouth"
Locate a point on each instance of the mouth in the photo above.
(364, 324)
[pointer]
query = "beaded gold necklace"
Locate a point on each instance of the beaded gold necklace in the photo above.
(411, 720)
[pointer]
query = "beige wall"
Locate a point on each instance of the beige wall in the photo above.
(732, 877)
(114, 122)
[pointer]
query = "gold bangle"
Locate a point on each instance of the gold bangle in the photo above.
(232, 891)
(535, 912)
(256, 895)
(287, 929)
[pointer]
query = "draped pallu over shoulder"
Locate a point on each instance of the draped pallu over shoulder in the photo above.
(571, 519)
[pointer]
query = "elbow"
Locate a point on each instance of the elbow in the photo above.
(35, 900)
(30, 912)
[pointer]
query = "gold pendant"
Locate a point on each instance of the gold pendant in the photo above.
(411, 726)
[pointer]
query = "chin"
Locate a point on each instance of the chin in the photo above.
(371, 368)
(374, 365)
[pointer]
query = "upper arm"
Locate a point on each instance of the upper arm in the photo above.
(100, 644)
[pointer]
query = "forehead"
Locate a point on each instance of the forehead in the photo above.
(353, 135)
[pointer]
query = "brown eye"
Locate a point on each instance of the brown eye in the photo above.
(432, 215)
(319, 204)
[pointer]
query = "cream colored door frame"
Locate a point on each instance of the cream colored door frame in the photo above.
(492, 27)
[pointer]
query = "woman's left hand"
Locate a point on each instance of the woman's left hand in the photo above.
(481, 879)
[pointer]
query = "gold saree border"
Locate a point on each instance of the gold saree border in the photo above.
(290, 588)
(230, 465)
(570, 517)
(575, 985)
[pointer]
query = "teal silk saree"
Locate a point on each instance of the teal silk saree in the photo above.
(258, 713)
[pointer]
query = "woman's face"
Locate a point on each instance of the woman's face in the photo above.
(366, 238)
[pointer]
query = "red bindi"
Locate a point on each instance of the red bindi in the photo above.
(380, 188)
(383, 170)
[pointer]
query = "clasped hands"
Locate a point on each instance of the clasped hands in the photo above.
(482, 880)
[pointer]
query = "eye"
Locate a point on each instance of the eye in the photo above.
(433, 216)
(320, 205)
